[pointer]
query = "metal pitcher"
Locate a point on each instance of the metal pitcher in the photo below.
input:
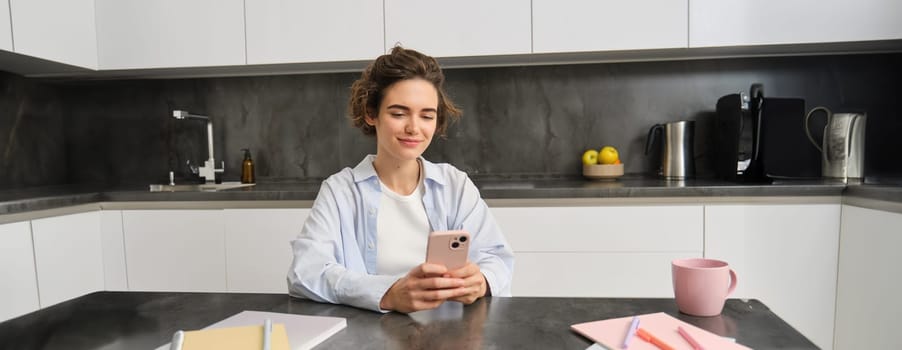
(677, 154)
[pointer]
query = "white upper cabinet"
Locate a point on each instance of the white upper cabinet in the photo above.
(296, 31)
(109, 35)
(6, 34)
(134, 34)
(606, 25)
(56, 30)
(765, 22)
(459, 28)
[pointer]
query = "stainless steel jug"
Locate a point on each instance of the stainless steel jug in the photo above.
(677, 155)
(842, 153)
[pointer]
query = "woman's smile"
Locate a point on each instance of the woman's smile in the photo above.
(409, 142)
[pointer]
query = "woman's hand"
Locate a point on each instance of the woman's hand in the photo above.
(426, 287)
(474, 283)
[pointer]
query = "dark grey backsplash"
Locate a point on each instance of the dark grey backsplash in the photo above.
(293, 126)
(32, 134)
(519, 121)
(540, 119)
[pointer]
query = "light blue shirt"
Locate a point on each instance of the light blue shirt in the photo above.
(335, 253)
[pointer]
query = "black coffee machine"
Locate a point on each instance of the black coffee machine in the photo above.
(738, 153)
(758, 139)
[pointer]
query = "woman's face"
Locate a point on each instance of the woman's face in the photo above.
(406, 119)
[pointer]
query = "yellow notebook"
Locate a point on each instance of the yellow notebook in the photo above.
(237, 338)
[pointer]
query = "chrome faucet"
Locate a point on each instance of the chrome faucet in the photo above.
(208, 171)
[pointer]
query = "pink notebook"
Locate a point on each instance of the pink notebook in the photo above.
(610, 333)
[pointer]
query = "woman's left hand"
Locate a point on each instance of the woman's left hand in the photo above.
(474, 282)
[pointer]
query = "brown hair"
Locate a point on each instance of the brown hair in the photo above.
(401, 64)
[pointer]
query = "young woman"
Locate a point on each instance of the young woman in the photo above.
(364, 243)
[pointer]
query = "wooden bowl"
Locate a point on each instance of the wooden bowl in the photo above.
(603, 171)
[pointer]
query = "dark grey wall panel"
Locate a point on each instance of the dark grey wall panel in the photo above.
(291, 124)
(539, 119)
(32, 138)
(517, 120)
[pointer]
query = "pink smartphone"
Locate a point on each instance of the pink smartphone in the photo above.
(448, 248)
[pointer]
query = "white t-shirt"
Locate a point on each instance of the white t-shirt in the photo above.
(402, 231)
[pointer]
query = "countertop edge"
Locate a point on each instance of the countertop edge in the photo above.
(887, 198)
(871, 203)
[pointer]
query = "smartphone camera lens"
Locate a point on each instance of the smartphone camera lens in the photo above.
(455, 245)
(462, 239)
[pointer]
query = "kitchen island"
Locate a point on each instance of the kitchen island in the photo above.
(142, 320)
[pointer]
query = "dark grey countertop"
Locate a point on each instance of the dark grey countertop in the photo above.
(142, 320)
(31, 199)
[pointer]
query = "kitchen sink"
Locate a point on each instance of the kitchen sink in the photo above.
(197, 187)
(522, 185)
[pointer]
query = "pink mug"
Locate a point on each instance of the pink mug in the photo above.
(701, 286)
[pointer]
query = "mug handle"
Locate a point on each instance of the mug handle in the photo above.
(808, 132)
(733, 281)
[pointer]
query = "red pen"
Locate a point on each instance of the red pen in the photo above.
(642, 333)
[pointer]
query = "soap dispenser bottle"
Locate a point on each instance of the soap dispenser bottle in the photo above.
(247, 168)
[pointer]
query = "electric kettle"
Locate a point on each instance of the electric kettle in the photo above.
(842, 153)
(677, 155)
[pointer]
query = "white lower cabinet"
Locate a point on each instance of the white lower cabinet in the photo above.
(235, 250)
(599, 251)
(19, 286)
(594, 274)
(868, 308)
(175, 250)
(6, 35)
(114, 271)
(68, 256)
(258, 250)
(784, 255)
